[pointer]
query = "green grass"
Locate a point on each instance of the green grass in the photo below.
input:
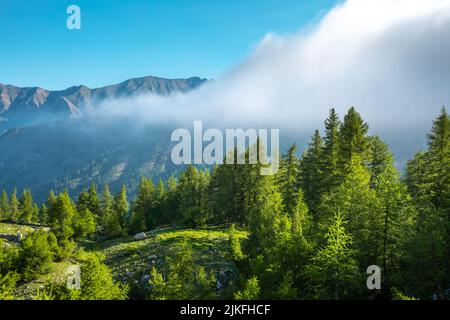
(14, 229)
(133, 259)
(130, 260)
(56, 274)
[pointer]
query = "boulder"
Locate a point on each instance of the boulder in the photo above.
(140, 236)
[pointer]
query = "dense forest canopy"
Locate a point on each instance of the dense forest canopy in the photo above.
(313, 228)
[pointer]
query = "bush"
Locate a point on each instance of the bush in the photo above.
(96, 282)
(35, 255)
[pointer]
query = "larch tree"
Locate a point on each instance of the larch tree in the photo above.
(333, 271)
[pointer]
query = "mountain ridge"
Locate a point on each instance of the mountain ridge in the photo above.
(21, 106)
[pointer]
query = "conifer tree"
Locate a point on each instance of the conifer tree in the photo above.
(380, 158)
(352, 138)
(287, 180)
(27, 208)
(399, 217)
(94, 202)
(108, 224)
(141, 216)
(192, 188)
(14, 207)
(311, 174)
(50, 203)
(356, 199)
(84, 224)
(333, 271)
(4, 206)
(83, 201)
(330, 157)
(121, 207)
(64, 213)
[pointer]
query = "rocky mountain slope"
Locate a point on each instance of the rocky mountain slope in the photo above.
(25, 106)
(43, 145)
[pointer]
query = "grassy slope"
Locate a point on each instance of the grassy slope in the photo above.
(13, 229)
(132, 260)
(129, 258)
(56, 270)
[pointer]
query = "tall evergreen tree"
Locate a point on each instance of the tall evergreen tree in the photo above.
(108, 223)
(94, 202)
(50, 203)
(14, 207)
(353, 138)
(27, 208)
(356, 199)
(64, 213)
(330, 157)
(121, 207)
(141, 217)
(192, 191)
(333, 271)
(311, 174)
(380, 157)
(287, 180)
(399, 217)
(4, 206)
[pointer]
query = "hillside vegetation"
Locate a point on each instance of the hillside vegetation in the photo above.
(310, 231)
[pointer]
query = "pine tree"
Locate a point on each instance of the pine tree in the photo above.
(4, 206)
(311, 174)
(380, 158)
(287, 180)
(251, 290)
(159, 202)
(43, 215)
(428, 180)
(356, 198)
(84, 224)
(399, 217)
(333, 271)
(27, 208)
(192, 189)
(94, 203)
(121, 207)
(64, 213)
(330, 157)
(439, 161)
(83, 201)
(14, 207)
(141, 218)
(353, 138)
(272, 240)
(171, 202)
(51, 201)
(106, 206)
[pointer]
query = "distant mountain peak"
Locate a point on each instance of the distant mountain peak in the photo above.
(22, 106)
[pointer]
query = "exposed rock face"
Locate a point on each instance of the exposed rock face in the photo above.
(24, 106)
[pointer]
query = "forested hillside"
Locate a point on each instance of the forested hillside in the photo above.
(308, 232)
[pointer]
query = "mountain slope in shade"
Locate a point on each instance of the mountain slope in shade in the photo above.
(25, 106)
(43, 145)
(72, 154)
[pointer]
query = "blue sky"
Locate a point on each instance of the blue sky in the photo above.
(122, 39)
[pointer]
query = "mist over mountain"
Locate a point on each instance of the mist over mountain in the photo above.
(25, 106)
(49, 141)
(386, 58)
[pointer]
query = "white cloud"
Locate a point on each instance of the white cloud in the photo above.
(389, 58)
